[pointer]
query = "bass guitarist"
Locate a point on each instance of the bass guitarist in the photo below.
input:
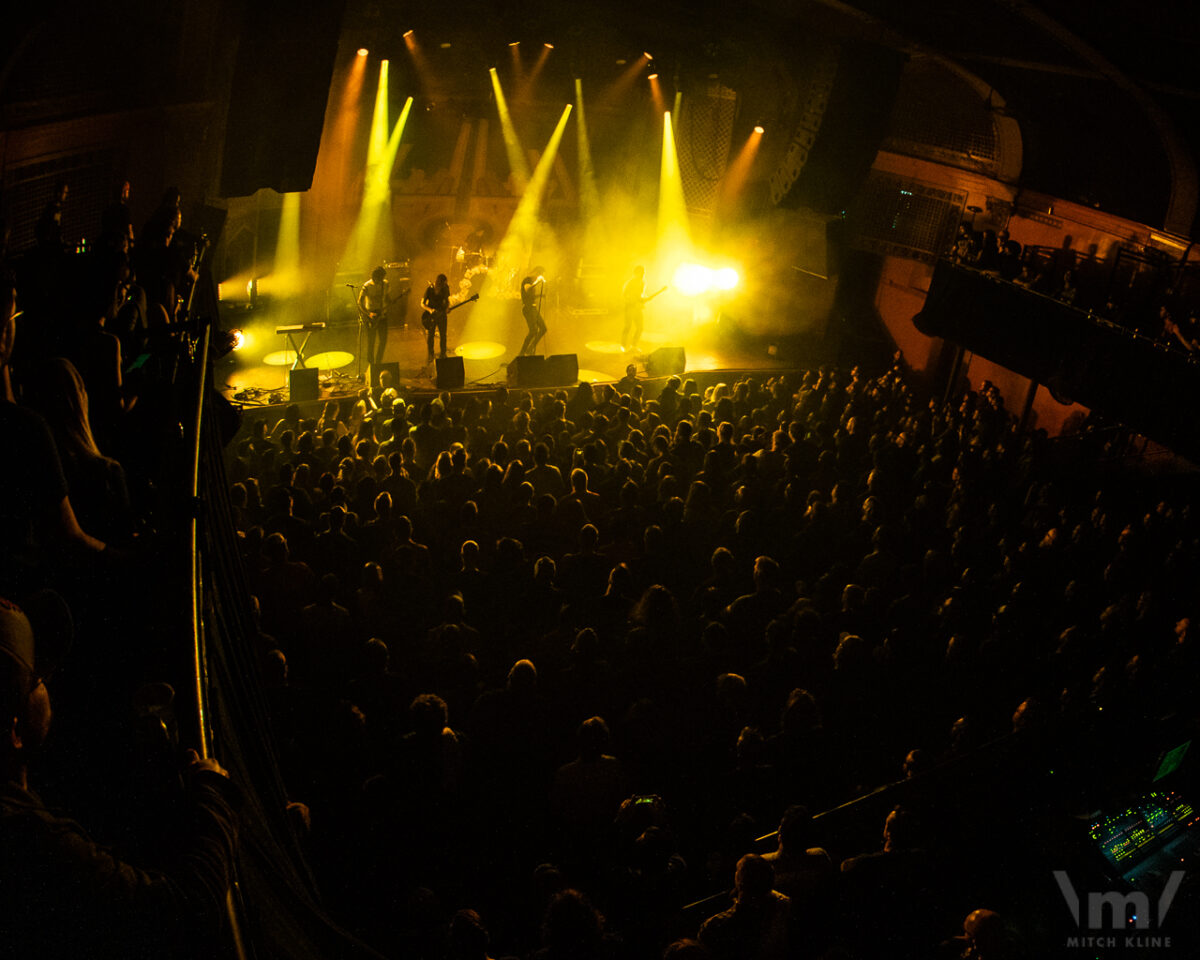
(437, 305)
(373, 303)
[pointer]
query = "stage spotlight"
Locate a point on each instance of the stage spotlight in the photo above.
(647, 56)
(363, 51)
(407, 34)
(653, 76)
(725, 279)
(548, 46)
(692, 279)
(758, 129)
(515, 43)
(239, 339)
(444, 46)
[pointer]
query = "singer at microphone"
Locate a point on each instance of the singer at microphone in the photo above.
(373, 300)
(529, 310)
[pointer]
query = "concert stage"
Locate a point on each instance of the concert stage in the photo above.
(258, 373)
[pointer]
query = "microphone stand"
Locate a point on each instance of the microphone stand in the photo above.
(358, 372)
(541, 300)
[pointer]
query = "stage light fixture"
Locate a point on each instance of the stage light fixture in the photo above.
(725, 279)
(646, 56)
(515, 43)
(758, 129)
(653, 76)
(444, 46)
(239, 339)
(548, 46)
(692, 279)
(363, 51)
(407, 34)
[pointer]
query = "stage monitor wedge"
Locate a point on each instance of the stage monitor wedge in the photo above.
(665, 361)
(450, 373)
(303, 384)
(527, 372)
(562, 369)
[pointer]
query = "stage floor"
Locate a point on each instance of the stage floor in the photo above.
(258, 372)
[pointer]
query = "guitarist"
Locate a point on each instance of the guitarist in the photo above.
(635, 299)
(437, 304)
(372, 305)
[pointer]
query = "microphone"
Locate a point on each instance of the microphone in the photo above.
(352, 286)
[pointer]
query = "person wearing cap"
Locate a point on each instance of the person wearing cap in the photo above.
(64, 894)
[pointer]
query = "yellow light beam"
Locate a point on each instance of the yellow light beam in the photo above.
(512, 143)
(589, 194)
(623, 84)
(377, 142)
(514, 248)
(372, 232)
(287, 247)
(424, 72)
(739, 170)
(525, 88)
(328, 210)
(674, 234)
(518, 66)
(660, 105)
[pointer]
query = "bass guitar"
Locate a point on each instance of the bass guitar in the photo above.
(430, 317)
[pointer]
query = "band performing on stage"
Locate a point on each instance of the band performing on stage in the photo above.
(440, 299)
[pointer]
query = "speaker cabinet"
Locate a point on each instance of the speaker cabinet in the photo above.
(527, 371)
(450, 375)
(303, 384)
(562, 369)
(666, 360)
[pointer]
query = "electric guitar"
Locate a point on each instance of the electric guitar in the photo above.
(373, 316)
(430, 317)
(652, 296)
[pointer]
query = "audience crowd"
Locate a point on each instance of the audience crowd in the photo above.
(544, 669)
(560, 658)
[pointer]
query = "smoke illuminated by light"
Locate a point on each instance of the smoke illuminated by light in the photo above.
(372, 233)
(514, 249)
(660, 105)
(739, 170)
(517, 164)
(691, 279)
(525, 85)
(589, 196)
(695, 279)
(674, 231)
(286, 275)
